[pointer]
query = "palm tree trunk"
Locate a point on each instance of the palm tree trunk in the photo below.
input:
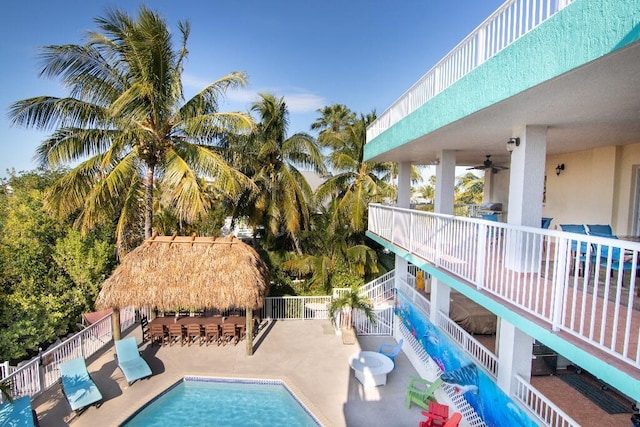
(148, 201)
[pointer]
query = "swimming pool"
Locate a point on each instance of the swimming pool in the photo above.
(198, 401)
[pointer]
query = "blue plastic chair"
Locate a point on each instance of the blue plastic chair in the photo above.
(77, 385)
(18, 413)
(391, 350)
(600, 229)
(132, 365)
(578, 229)
(546, 222)
(615, 256)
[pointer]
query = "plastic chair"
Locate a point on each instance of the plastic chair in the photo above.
(420, 392)
(546, 222)
(77, 385)
(600, 229)
(454, 421)
(391, 350)
(584, 246)
(132, 365)
(437, 415)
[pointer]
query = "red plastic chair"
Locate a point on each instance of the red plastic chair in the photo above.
(437, 415)
(454, 420)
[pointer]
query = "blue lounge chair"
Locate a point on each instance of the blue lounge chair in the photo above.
(616, 256)
(545, 222)
(391, 350)
(18, 413)
(77, 385)
(132, 365)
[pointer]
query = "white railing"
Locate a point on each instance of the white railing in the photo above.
(42, 372)
(507, 24)
(476, 351)
(570, 281)
(547, 412)
(296, 308)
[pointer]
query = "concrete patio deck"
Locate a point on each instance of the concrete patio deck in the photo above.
(307, 354)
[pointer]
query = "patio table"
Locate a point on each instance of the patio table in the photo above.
(371, 368)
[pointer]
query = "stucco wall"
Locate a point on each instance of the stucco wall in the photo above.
(596, 187)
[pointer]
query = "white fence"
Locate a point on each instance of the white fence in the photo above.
(507, 24)
(575, 283)
(296, 308)
(42, 372)
(547, 412)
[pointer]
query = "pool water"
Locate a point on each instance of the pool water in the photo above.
(224, 402)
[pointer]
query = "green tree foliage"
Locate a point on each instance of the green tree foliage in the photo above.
(127, 128)
(49, 275)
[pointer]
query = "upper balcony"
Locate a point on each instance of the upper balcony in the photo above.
(568, 65)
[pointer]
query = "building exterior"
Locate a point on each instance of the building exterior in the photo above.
(550, 90)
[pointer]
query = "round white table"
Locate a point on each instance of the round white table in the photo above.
(371, 368)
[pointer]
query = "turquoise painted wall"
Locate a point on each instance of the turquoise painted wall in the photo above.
(584, 31)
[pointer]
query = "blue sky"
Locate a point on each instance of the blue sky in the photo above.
(361, 53)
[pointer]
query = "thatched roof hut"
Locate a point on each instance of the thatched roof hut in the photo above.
(167, 272)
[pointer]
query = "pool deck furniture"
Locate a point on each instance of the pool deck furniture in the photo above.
(371, 368)
(420, 391)
(391, 350)
(77, 385)
(132, 365)
(437, 415)
(17, 413)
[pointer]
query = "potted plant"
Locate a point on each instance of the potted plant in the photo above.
(342, 308)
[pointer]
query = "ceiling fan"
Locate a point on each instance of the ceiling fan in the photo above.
(488, 164)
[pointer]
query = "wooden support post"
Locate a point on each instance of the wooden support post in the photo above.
(249, 331)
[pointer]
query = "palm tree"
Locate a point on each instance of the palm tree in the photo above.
(126, 127)
(333, 119)
(356, 183)
(470, 188)
(349, 301)
(271, 159)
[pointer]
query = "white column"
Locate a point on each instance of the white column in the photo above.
(445, 182)
(514, 356)
(401, 267)
(526, 188)
(404, 185)
(440, 299)
(526, 181)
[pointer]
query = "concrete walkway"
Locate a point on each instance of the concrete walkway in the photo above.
(307, 355)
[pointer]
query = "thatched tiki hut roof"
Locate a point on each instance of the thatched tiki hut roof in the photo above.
(168, 272)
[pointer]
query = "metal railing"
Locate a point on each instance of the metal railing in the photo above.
(547, 412)
(575, 283)
(511, 21)
(296, 308)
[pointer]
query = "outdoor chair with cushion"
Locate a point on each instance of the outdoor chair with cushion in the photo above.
(158, 334)
(194, 334)
(132, 365)
(391, 350)
(18, 413)
(77, 385)
(212, 332)
(546, 222)
(176, 334)
(420, 391)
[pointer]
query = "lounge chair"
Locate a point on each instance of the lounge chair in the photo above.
(420, 391)
(18, 413)
(132, 365)
(545, 222)
(581, 252)
(600, 229)
(77, 385)
(391, 350)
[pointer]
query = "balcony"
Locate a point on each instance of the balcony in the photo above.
(561, 288)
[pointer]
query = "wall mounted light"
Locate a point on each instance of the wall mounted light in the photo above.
(559, 168)
(512, 143)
